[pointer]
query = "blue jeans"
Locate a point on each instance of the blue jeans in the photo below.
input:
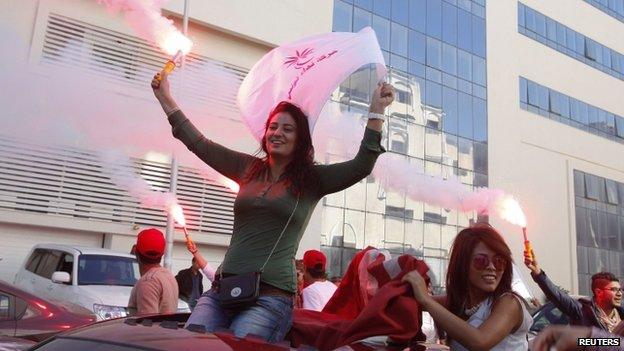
(270, 318)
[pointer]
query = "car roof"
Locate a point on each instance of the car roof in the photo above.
(83, 250)
(162, 332)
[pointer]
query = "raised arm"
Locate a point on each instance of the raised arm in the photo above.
(338, 176)
(228, 162)
(506, 315)
(568, 305)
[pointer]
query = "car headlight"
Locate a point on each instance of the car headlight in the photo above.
(105, 312)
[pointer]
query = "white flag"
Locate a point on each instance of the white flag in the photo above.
(305, 72)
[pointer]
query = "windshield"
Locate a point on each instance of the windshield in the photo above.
(107, 270)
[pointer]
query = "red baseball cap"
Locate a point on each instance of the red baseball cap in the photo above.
(314, 259)
(151, 243)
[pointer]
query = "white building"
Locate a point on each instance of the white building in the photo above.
(539, 148)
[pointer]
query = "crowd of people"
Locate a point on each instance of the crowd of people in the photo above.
(259, 283)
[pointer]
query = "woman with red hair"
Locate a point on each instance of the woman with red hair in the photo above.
(480, 311)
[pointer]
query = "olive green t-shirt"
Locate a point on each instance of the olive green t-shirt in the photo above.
(262, 207)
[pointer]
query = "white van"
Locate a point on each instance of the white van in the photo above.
(98, 279)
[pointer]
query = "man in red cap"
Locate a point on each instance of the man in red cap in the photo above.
(318, 290)
(157, 290)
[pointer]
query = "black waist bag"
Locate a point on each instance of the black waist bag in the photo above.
(239, 291)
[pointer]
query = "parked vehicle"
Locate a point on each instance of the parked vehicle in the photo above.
(98, 279)
(546, 315)
(23, 315)
(166, 332)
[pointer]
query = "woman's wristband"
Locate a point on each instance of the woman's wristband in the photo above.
(373, 115)
(171, 111)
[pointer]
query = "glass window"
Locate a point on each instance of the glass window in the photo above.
(592, 185)
(533, 94)
(416, 69)
(580, 44)
(540, 24)
(464, 85)
(521, 21)
(433, 145)
(582, 108)
(479, 91)
(479, 116)
(434, 94)
(415, 147)
(606, 56)
(342, 16)
(398, 62)
(34, 260)
(478, 36)
(571, 39)
(579, 183)
(478, 70)
(365, 4)
(543, 98)
(399, 39)
(449, 81)
(417, 45)
(464, 65)
(464, 4)
(466, 158)
(107, 270)
(382, 8)
(418, 15)
(551, 29)
(449, 107)
(523, 90)
(434, 75)
(449, 23)
(619, 126)
(529, 19)
(554, 102)
(5, 307)
(480, 157)
(382, 29)
(590, 49)
(612, 193)
(582, 230)
(49, 264)
(434, 18)
(464, 30)
(434, 53)
(592, 116)
(610, 123)
(449, 59)
(464, 102)
(561, 34)
(361, 19)
(564, 104)
(400, 12)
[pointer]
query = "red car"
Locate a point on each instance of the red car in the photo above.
(24, 315)
(166, 332)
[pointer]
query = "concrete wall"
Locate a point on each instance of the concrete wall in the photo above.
(533, 157)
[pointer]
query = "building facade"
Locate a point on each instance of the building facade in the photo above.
(556, 131)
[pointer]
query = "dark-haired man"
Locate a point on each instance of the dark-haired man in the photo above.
(157, 290)
(318, 290)
(603, 311)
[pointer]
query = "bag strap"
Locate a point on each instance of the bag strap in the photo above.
(281, 234)
(277, 242)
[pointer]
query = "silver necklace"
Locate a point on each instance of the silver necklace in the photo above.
(472, 310)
